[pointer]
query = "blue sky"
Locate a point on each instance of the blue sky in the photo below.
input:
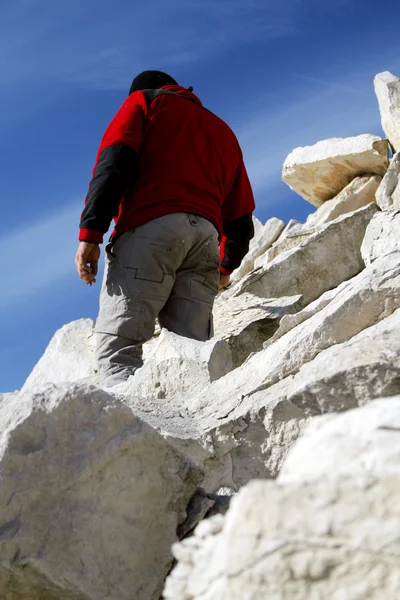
(282, 74)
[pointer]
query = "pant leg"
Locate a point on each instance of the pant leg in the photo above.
(139, 276)
(188, 310)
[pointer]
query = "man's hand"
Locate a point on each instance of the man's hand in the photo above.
(87, 260)
(224, 282)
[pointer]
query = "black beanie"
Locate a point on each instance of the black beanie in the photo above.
(151, 80)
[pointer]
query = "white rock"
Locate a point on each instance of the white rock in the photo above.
(358, 193)
(388, 194)
(292, 240)
(260, 261)
(387, 89)
(336, 540)
(233, 440)
(323, 261)
(179, 366)
(349, 374)
(291, 228)
(382, 236)
(371, 296)
(247, 321)
(90, 500)
(13, 410)
(320, 172)
(290, 321)
(263, 239)
(363, 441)
(69, 357)
(242, 425)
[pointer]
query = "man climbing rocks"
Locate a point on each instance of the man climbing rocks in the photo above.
(172, 176)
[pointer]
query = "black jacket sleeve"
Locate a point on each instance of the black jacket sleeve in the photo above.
(238, 234)
(115, 172)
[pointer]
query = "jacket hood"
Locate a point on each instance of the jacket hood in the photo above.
(181, 91)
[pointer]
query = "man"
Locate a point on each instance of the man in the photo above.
(171, 174)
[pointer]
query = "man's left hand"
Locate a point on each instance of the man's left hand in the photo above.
(224, 282)
(87, 260)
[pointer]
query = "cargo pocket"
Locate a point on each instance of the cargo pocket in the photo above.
(123, 317)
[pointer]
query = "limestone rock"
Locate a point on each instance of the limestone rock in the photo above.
(349, 374)
(244, 322)
(181, 366)
(320, 172)
(368, 298)
(292, 240)
(358, 193)
(242, 426)
(329, 539)
(263, 239)
(388, 194)
(247, 321)
(387, 89)
(323, 261)
(382, 236)
(13, 411)
(90, 500)
(290, 321)
(69, 357)
(293, 228)
(362, 441)
(232, 439)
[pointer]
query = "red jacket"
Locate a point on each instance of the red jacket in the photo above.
(163, 153)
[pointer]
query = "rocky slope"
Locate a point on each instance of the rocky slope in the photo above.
(293, 408)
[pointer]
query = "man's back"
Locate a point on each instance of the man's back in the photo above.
(187, 159)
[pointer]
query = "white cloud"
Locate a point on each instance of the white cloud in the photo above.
(88, 44)
(39, 255)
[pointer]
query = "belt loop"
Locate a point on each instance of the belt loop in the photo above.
(193, 219)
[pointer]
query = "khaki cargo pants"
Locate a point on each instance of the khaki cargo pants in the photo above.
(167, 268)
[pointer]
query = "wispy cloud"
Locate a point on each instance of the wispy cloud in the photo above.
(94, 44)
(316, 110)
(38, 256)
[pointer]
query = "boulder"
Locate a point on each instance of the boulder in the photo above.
(90, 500)
(232, 437)
(320, 172)
(368, 298)
(12, 412)
(247, 321)
(242, 426)
(388, 194)
(387, 89)
(358, 193)
(180, 366)
(362, 441)
(349, 374)
(263, 239)
(382, 236)
(326, 539)
(69, 357)
(323, 261)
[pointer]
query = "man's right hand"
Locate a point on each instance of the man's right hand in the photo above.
(224, 282)
(86, 260)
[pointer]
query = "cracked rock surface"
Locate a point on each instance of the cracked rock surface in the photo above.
(309, 269)
(84, 484)
(319, 172)
(328, 539)
(364, 441)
